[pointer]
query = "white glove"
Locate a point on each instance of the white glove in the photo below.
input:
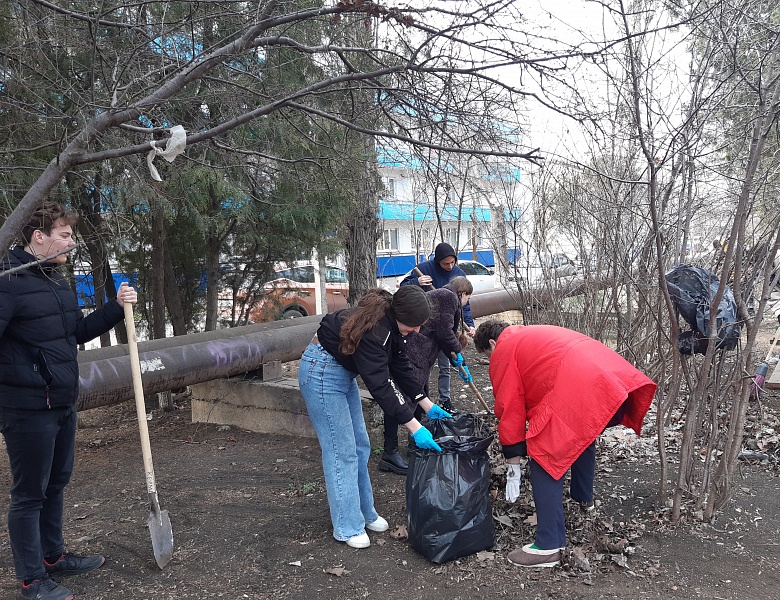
(514, 477)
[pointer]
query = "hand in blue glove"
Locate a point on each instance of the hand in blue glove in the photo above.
(465, 374)
(438, 412)
(423, 438)
(457, 361)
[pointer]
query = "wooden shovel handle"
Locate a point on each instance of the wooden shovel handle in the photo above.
(420, 274)
(472, 386)
(140, 406)
(772, 347)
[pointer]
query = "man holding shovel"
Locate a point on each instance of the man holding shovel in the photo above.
(41, 326)
(555, 391)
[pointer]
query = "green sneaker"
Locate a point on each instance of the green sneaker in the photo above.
(530, 556)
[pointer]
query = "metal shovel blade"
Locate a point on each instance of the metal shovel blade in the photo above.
(162, 537)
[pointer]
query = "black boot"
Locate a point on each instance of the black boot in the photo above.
(394, 462)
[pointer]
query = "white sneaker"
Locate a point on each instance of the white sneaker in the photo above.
(359, 541)
(379, 525)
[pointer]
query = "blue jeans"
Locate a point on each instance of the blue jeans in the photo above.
(548, 497)
(40, 445)
(444, 377)
(333, 401)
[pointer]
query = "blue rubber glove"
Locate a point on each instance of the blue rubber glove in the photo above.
(465, 374)
(437, 412)
(423, 438)
(457, 361)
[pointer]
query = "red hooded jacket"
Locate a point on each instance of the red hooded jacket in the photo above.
(566, 387)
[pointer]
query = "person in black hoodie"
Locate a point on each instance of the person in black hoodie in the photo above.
(444, 331)
(41, 326)
(368, 341)
(436, 273)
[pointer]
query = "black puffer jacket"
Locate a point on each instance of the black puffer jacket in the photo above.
(439, 333)
(380, 360)
(41, 326)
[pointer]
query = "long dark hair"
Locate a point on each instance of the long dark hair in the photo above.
(410, 305)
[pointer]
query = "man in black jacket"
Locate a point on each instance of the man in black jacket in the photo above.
(41, 326)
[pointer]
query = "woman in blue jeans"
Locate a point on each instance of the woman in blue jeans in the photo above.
(369, 341)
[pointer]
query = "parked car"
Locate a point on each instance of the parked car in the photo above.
(540, 268)
(291, 294)
(481, 277)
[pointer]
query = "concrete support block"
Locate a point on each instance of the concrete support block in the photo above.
(264, 406)
(267, 372)
(773, 383)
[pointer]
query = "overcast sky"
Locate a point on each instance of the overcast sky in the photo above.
(583, 21)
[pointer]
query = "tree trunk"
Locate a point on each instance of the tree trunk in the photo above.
(90, 226)
(157, 273)
(212, 280)
(213, 275)
(157, 285)
(321, 281)
(361, 238)
(98, 263)
(172, 294)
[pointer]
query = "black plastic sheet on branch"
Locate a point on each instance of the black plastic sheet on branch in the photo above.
(692, 290)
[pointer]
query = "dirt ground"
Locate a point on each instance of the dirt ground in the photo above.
(250, 520)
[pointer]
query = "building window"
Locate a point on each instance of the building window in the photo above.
(451, 236)
(475, 236)
(389, 240)
(425, 237)
(389, 187)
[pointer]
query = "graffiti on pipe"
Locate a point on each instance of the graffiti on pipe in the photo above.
(155, 364)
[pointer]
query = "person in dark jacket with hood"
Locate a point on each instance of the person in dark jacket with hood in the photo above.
(368, 341)
(41, 326)
(444, 332)
(436, 273)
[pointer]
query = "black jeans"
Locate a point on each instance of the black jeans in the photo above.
(40, 445)
(391, 429)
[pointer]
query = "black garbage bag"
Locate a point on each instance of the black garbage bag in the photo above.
(448, 499)
(461, 424)
(692, 289)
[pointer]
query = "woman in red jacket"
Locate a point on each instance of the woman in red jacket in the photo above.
(556, 390)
